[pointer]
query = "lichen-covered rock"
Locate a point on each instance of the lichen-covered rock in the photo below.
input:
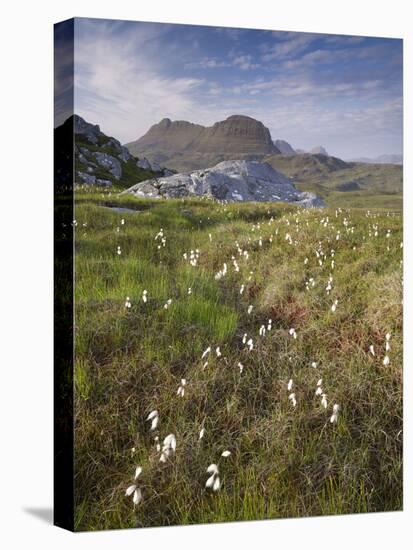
(87, 178)
(144, 164)
(109, 163)
(232, 181)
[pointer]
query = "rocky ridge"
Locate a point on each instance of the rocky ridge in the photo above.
(103, 160)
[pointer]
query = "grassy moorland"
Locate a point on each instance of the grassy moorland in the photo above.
(330, 281)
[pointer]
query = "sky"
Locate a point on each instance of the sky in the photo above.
(342, 92)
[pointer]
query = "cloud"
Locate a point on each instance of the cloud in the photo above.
(120, 85)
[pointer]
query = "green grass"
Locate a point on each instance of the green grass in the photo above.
(285, 461)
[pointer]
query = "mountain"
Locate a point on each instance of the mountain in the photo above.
(319, 150)
(185, 146)
(232, 181)
(101, 159)
(284, 147)
(381, 159)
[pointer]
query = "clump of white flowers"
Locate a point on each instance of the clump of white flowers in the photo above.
(334, 416)
(181, 389)
(145, 296)
(213, 482)
(154, 418)
(168, 447)
(128, 304)
(292, 332)
(134, 489)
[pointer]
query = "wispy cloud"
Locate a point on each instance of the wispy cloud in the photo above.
(339, 91)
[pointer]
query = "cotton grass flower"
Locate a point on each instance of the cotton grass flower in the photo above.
(334, 416)
(226, 454)
(249, 309)
(145, 296)
(241, 367)
(206, 352)
(218, 352)
(371, 350)
(386, 360)
(133, 490)
(168, 303)
(250, 344)
(292, 333)
(293, 400)
(324, 400)
(168, 447)
(181, 389)
(213, 482)
(202, 433)
(290, 384)
(128, 304)
(154, 418)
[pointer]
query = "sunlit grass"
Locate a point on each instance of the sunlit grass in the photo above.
(286, 461)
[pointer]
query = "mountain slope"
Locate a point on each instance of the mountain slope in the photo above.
(186, 146)
(101, 159)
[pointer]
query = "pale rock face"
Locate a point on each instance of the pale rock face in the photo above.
(144, 164)
(109, 163)
(232, 181)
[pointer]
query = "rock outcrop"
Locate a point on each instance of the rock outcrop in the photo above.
(232, 181)
(103, 160)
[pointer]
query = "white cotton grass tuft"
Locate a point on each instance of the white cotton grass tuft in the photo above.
(386, 360)
(133, 490)
(168, 303)
(241, 367)
(145, 296)
(226, 454)
(181, 389)
(128, 304)
(371, 350)
(218, 351)
(290, 384)
(292, 332)
(201, 433)
(154, 417)
(168, 447)
(314, 364)
(206, 352)
(293, 400)
(249, 310)
(324, 400)
(250, 344)
(213, 482)
(334, 416)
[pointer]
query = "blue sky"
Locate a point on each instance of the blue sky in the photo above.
(342, 92)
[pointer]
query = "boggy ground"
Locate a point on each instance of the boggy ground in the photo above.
(334, 276)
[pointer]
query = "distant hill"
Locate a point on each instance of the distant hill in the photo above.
(319, 150)
(381, 159)
(343, 183)
(304, 166)
(284, 147)
(186, 146)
